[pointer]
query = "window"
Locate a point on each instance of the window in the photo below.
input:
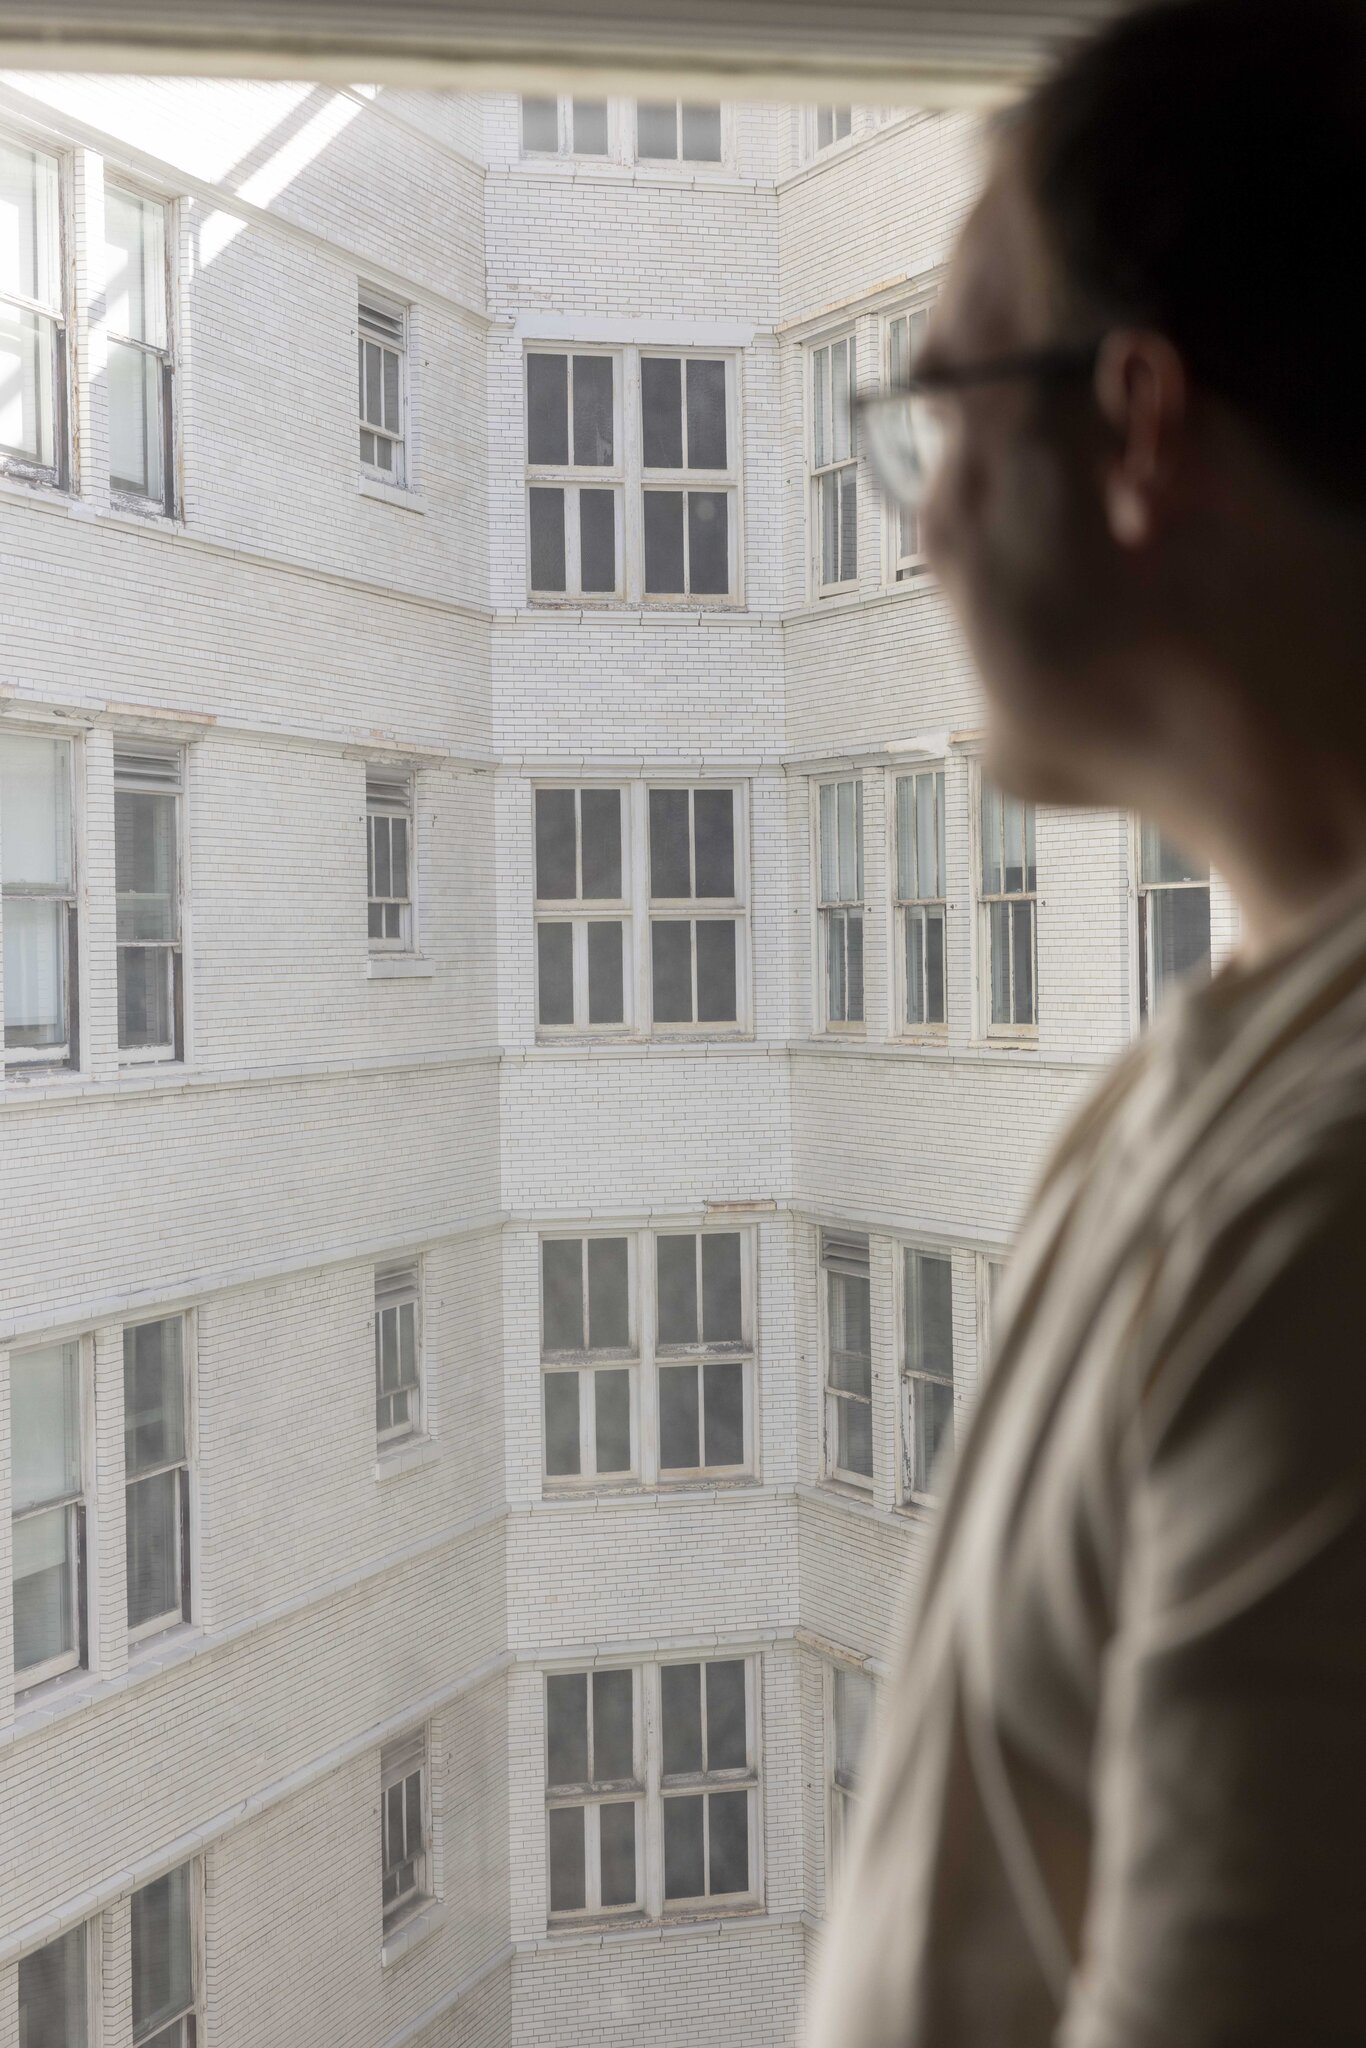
(694, 961)
(581, 979)
(156, 1463)
(564, 127)
(848, 1357)
(32, 317)
(834, 470)
(594, 1790)
(398, 1352)
(920, 896)
(851, 1695)
(588, 1347)
(389, 840)
(37, 865)
(702, 1351)
(141, 463)
(707, 1778)
(574, 473)
(47, 1469)
(405, 1825)
(1007, 907)
(840, 901)
(832, 125)
(905, 335)
(1173, 916)
(54, 1996)
(669, 131)
(991, 1272)
(381, 352)
(685, 433)
(926, 1368)
(165, 2006)
(147, 782)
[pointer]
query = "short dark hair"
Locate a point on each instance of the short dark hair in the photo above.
(1200, 167)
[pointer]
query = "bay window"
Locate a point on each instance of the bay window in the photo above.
(686, 439)
(574, 473)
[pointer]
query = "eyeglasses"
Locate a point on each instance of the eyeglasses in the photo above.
(903, 434)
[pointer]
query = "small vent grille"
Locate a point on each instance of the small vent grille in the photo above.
(845, 1251)
(394, 1284)
(401, 1758)
(388, 789)
(147, 767)
(379, 322)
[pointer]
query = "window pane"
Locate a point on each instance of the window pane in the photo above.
(853, 1716)
(612, 1421)
(706, 414)
(716, 1000)
(35, 973)
(28, 224)
(932, 1428)
(555, 844)
(540, 125)
(820, 405)
(855, 1439)
(670, 869)
(721, 1319)
(145, 866)
(617, 1853)
(661, 411)
(597, 542)
(562, 1294)
(35, 811)
(44, 1588)
(727, 1747)
(609, 1327)
(714, 831)
(851, 1343)
(728, 1820)
(999, 927)
(546, 511)
(828, 513)
(1013, 828)
(162, 1984)
(547, 409)
(562, 1455)
(153, 1395)
(146, 1010)
(671, 972)
(27, 412)
(554, 974)
(848, 524)
(566, 1720)
(829, 842)
(567, 1893)
(135, 293)
(151, 1532)
(590, 127)
(606, 980)
(991, 841)
(53, 2006)
(724, 1394)
(45, 1424)
(676, 1273)
(613, 1725)
(681, 1708)
(702, 134)
(841, 382)
(1161, 861)
(849, 812)
(657, 128)
(934, 966)
(853, 929)
(135, 429)
(708, 543)
(1180, 934)
(1022, 946)
(684, 1870)
(679, 1438)
(601, 826)
(929, 1313)
(592, 410)
(664, 542)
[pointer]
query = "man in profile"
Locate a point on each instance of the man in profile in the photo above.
(1119, 1794)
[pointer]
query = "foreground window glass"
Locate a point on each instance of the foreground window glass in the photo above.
(32, 326)
(157, 1475)
(48, 1532)
(1008, 885)
(1173, 917)
(38, 909)
(841, 901)
(594, 1791)
(587, 1315)
(404, 1827)
(54, 1998)
(147, 888)
(927, 1367)
(706, 1762)
(851, 1719)
(164, 1973)
(139, 346)
(848, 1356)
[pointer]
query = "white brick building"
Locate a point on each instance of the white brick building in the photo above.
(657, 1140)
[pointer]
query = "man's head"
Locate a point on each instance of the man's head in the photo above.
(1131, 538)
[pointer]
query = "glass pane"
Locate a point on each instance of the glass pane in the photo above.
(664, 542)
(562, 1294)
(721, 1317)
(612, 1421)
(708, 543)
(153, 1395)
(53, 2001)
(676, 1274)
(855, 1447)
(670, 869)
(702, 134)
(728, 1821)
(853, 1716)
(609, 1327)
(567, 1893)
(930, 835)
(597, 542)
(162, 1983)
(850, 826)
(566, 1724)
(540, 125)
(836, 980)
(848, 522)
(684, 1869)
(601, 825)
(592, 410)
(146, 1011)
(145, 866)
(1179, 922)
(1013, 814)
(35, 972)
(547, 410)
(706, 414)
(716, 983)
(934, 967)
(135, 431)
(546, 514)
(1161, 861)
(555, 844)
(727, 1746)
(390, 375)
(590, 127)
(554, 974)
(151, 1531)
(681, 1709)
(27, 413)
(825, 127)
(853, 927)
(851, 1339)
(44, 1571)
(724, 1400)
(929, 1313)
(714, 835)
(45, 1424)
(135, 279)
(657, 128)
(671, 972)
(841, 379)
(991, 840)
(35, 812)
(828, 512)
(907, 863)
(998, 918)
(372, 403)
(829, 843)
(562, 1454)
(617, 1853)
(931, 1428)
(679, 1437)
(606, 977)
(820, 406)
(29, 261)
(1022, 950)
(613, 1726)
(661, 411)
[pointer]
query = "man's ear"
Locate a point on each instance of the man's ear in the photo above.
(1142, 390)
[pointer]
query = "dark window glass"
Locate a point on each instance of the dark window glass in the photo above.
(547, 539)
(934, 970)
(52, 1994)
(678, 1422)
(661, 408)
(657, 129)
(708, 544)
(613, 1726)
(670, 870)
(612, 1420)
(681, 1701)
(728, 1818)
(684, 1876)
(706, 414)
(724, 1389)
(664, 543)
(934, 1295)
(597, 542)
(555, 973)
(671, 972)
(848, 487)
(566, 1721)
(1022, 949)
(721, 1317)
(590, 127)
(562, 1425)
(676, 1270)
(592, 411)
(855, 1441)
(555, 875)
(714, 824)
(601, 810)
(547, 410)
(702, 134)
(726, 1745)
(715, 971)
(606, 986)
(617, 1851)
(566, 1859)
(562, 1294)
(608, 1288)
(161, 1950)
(151, 1547)
(540, 125)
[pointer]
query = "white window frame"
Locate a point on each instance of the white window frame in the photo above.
(76, 1506)
(87, 1933)
(396, 344)
(68, 1053)
(912, 913)
(1017, 1033)
(726, 144)
(837, 118)
(710, 482)
(564, 128)
(915, 1372)
(405, 1757)
(163, 355)
(182, 1614)
(836, 1252)
(147, 768)
(903, 333)
(699, 910)
(580, 911)
(398, 1284)
(585, 1363)
(391, 796)
(55, 315)
(659, 1356)
(185, 2029)
(835, 910)
(1149, 991)
(570, 478)
(833, 469)
(591, 1795)
(843, 1791)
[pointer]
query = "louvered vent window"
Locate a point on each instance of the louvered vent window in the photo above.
(382, 345)
(389, 830)
(147, 830)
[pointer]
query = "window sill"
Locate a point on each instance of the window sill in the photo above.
(146, 511)
(691, 1485)
(397, 495)
(409, 1456)
(399, 967)
(414, 1928)
(167, 1646)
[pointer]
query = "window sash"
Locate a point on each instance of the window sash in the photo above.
(834, 464)
(33, 325)
(574, 118)
(165, 1965)
(54, 1988)
(398, 1356)
(141, 460)
(848, 1356)
(404, 1842)
(905, 334)
(382, 396)
(38, 887)
(389, 875)
(833, 124)
(685, 118)
(1008, 887)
